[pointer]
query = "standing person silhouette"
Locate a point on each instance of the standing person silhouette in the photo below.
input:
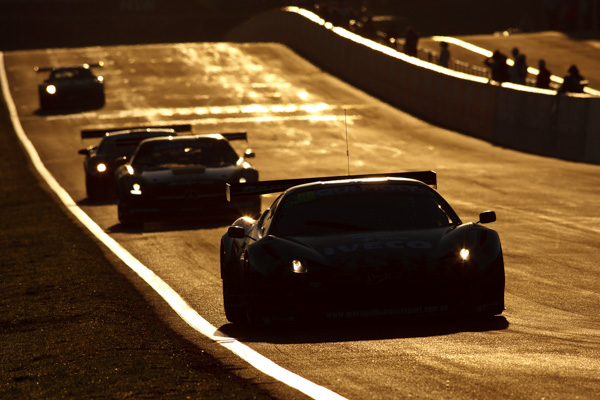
(410, 42)
(573, 82)
(543, 77)
(498, 66)
(444, 59)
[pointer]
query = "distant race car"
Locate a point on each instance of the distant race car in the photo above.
(363, 246)
(116, 147)
(184, 176)
(71, 87)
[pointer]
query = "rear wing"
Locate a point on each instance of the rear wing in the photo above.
(264, 187)
(101, 132)
(43, 69)
(99, 64)
(235, 136)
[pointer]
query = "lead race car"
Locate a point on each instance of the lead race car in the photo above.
(71, 87)
(184, 176)
(363, 246)
(116, 146)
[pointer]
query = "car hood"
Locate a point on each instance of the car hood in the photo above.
(189, 174)
(377, 250)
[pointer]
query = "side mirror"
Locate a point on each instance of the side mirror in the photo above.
(249, 154)
(236, 232)
(84, 152)
(487, 216)
(120, 161)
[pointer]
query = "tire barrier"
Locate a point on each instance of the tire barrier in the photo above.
(517, 117)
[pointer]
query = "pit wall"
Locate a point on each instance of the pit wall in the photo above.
(517, 117)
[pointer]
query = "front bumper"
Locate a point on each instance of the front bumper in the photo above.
(141, 210)
(385, 296)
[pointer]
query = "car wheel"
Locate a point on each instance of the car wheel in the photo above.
(233, 302)
(91, 188)
(233, 296)
(45, 103)
(101, 100)
(126, 220)
(254, 316)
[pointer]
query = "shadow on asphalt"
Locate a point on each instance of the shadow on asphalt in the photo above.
(66, 110)
(364, 330)
(168, 225)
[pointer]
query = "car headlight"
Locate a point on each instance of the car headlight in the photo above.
(242, 180)
(101, 167)
(136, 189)
(464, 254)
(298, 267)
(51, 89)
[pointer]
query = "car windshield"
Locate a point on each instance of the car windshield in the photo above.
(207, 152)
(118, 147)
(71, 73)
(362, 207)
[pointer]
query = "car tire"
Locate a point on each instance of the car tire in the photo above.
(45, 103)
(91, 188)
(233, 302)
(126, 220)
(101, 100)
(233, 296)
(254, 316)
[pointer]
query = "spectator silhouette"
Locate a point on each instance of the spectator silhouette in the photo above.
(518, 72)
(573, 82)
(498, 67)
(515, 53)
(410, 41)
(543, 77)
(444, 55)
(368, 28)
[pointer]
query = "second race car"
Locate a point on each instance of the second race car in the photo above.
(183, 176)
(365, 246)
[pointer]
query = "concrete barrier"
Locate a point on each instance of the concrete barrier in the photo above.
(525, 119)
(592, 140)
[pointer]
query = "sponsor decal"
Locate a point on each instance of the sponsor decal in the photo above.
(376, 279)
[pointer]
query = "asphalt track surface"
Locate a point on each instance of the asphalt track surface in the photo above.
(545, 345)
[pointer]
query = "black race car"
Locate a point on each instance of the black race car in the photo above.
(363, 246)
(71, 87)
(184, 176)
(117, 145)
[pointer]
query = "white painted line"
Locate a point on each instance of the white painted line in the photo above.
(176, 302)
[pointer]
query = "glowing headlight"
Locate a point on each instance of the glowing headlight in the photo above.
(298, 267)
(242, 180)
(101, 167)
(464, 254)
(51, 89)
(100, 78)
(136, 189)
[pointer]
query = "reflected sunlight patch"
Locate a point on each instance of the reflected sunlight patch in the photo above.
(319, 112)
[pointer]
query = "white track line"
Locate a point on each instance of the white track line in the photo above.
(187, 313)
